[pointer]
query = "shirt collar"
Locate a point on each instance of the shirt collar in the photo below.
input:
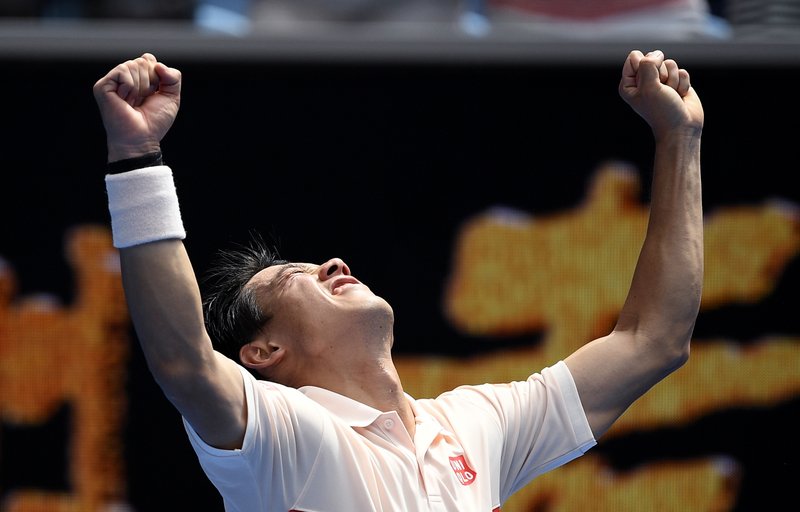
(352, 412)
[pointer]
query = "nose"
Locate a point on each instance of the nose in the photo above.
(333, 267)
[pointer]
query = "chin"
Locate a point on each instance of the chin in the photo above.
(380, 305)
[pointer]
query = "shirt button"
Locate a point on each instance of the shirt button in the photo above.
(388, 424)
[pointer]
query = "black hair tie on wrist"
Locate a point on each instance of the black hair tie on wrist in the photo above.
(139, 162)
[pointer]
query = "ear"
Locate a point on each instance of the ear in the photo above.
(260, 354)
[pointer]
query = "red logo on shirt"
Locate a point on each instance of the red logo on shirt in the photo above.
(465, 474)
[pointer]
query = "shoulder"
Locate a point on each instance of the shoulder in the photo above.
(551, 389)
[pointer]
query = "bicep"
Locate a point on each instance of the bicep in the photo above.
(610, 373)
(212, 399)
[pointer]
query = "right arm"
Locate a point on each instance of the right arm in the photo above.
(138, 102)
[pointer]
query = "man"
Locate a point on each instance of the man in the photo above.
(326, 426)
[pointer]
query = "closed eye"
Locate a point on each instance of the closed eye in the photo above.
(283, 275)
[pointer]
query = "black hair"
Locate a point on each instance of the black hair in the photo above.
(231, 309)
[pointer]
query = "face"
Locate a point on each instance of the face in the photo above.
(318, 302)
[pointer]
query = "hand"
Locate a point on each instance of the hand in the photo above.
(138, 101)
(661, 93)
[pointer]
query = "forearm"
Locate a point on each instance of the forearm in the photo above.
(665, 293)
(165, 305)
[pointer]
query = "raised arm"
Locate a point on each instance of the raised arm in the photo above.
(654, 329)
(138, 102)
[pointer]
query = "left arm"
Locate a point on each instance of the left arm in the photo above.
(652, 335)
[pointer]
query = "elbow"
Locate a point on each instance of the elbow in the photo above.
(676, 351)
(666, 349)
(180, 379)
(681, 357)
(178, 365)
(170, 374)
(672, 339)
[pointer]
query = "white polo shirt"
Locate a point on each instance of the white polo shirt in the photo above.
(313, 450)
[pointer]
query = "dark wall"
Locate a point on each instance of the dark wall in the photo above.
(376, 164)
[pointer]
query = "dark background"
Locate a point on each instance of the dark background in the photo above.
(378, 163)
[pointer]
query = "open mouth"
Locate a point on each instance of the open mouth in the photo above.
(343, 283)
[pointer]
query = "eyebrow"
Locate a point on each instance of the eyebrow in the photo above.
(276, 282)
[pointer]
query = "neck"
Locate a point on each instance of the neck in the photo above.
(357, 364)
(375, 383)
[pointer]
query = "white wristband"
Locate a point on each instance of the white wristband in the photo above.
(144, 206)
